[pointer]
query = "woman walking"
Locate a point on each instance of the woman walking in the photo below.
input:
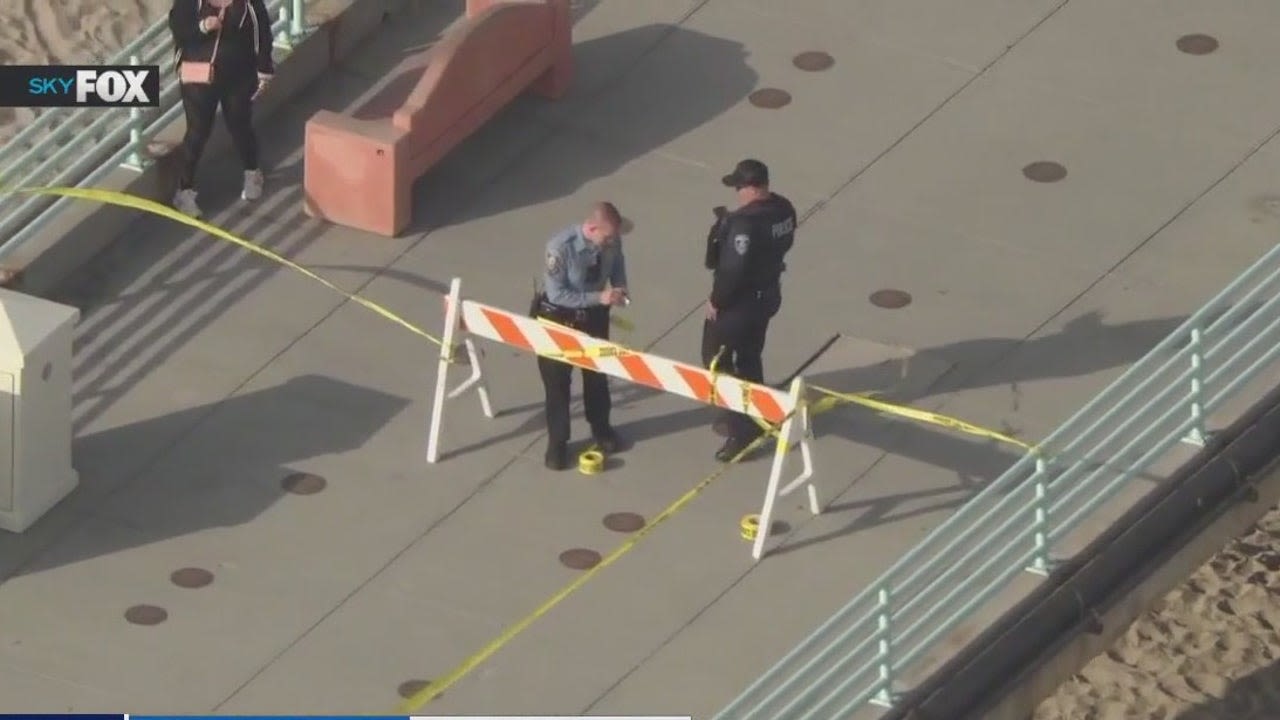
(223, 57)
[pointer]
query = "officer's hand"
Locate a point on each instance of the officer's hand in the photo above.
(612, 296)
(711, 311)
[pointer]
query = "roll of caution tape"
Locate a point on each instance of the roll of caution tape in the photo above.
(591, 462)
(749, 526)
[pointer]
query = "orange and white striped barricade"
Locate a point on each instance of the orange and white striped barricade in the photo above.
(785, 412)
(448, 353)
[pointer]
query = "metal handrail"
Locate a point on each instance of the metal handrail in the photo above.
(46, 120)
(97, 146)
(1011, 526)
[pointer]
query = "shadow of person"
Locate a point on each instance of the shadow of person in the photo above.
(1085, 345)
(699, 77)
(238, 454)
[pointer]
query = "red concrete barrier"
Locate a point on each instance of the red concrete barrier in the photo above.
(360, 166)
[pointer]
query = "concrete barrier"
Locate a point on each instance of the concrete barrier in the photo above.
(360, 166)
(84, 230)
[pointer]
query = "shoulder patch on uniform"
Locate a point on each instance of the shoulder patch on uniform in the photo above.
(553, 262)
(741, 243)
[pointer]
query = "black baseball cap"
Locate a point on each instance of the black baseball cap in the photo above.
(748, 173)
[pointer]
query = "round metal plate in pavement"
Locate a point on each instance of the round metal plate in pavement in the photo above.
(146, 615)
(1044, 171)
(191, 578)
(769, 98)
(890, 299)
(813, 61)
(580, 558)
(623, 522)
(303, 484)
(1197, 44)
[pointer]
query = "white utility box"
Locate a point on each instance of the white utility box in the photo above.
(35, 407)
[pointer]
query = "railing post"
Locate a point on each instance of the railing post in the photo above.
(1041, 562)
(1197, 436)
(283, 38)
(136, 160)
(297, 27)
(884, 635)
(293, 23)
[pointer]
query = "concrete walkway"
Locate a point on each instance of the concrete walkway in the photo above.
(206, 376)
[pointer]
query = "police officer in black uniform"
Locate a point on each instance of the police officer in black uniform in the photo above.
(586, 275)
(745, 250)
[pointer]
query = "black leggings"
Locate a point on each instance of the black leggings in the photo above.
(200, 103)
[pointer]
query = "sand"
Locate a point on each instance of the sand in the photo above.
(1207, 651)
(36, 32)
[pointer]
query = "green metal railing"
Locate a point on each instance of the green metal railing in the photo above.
(81, 146)
(1012, 525)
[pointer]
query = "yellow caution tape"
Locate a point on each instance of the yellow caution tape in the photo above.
(595, 353)
(833, 399)
(749, 526)
(712, 370)
(830, 401)
(591, 462)
(440, 685)
(111, 197)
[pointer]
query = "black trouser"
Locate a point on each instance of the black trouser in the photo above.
(200, 103)
(738, 335)
(557, 377)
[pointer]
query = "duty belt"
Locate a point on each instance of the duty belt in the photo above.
(563, 315)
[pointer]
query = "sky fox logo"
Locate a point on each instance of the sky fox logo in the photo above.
(130, 86)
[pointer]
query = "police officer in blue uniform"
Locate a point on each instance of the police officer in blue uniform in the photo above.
(746, 249)
(586, 275)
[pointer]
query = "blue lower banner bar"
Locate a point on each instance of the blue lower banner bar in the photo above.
(383, 717)
(344, 717)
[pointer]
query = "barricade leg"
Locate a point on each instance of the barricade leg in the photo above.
(448, 348)
(774, 490)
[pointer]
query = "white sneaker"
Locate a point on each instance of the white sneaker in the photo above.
(252, 185)
(184, 201)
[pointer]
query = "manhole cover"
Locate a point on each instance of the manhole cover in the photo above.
(769, 98)
(813, 61)
(890, 299)
(191, 577)
(580, 558)
(303, 484)
(410, 688)
(146, 615)
(623, 522)
(1043, 171)
(1197, 44)
(1266, 205)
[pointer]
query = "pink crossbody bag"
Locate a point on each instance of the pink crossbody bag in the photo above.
(201, 73)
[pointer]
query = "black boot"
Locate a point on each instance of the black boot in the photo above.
(731, 449)
(606, 439)
(557, 457)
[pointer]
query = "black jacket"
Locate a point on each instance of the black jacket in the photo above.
(751, 245)
(245, 48)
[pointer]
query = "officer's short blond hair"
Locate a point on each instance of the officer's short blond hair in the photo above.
(605, 213)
